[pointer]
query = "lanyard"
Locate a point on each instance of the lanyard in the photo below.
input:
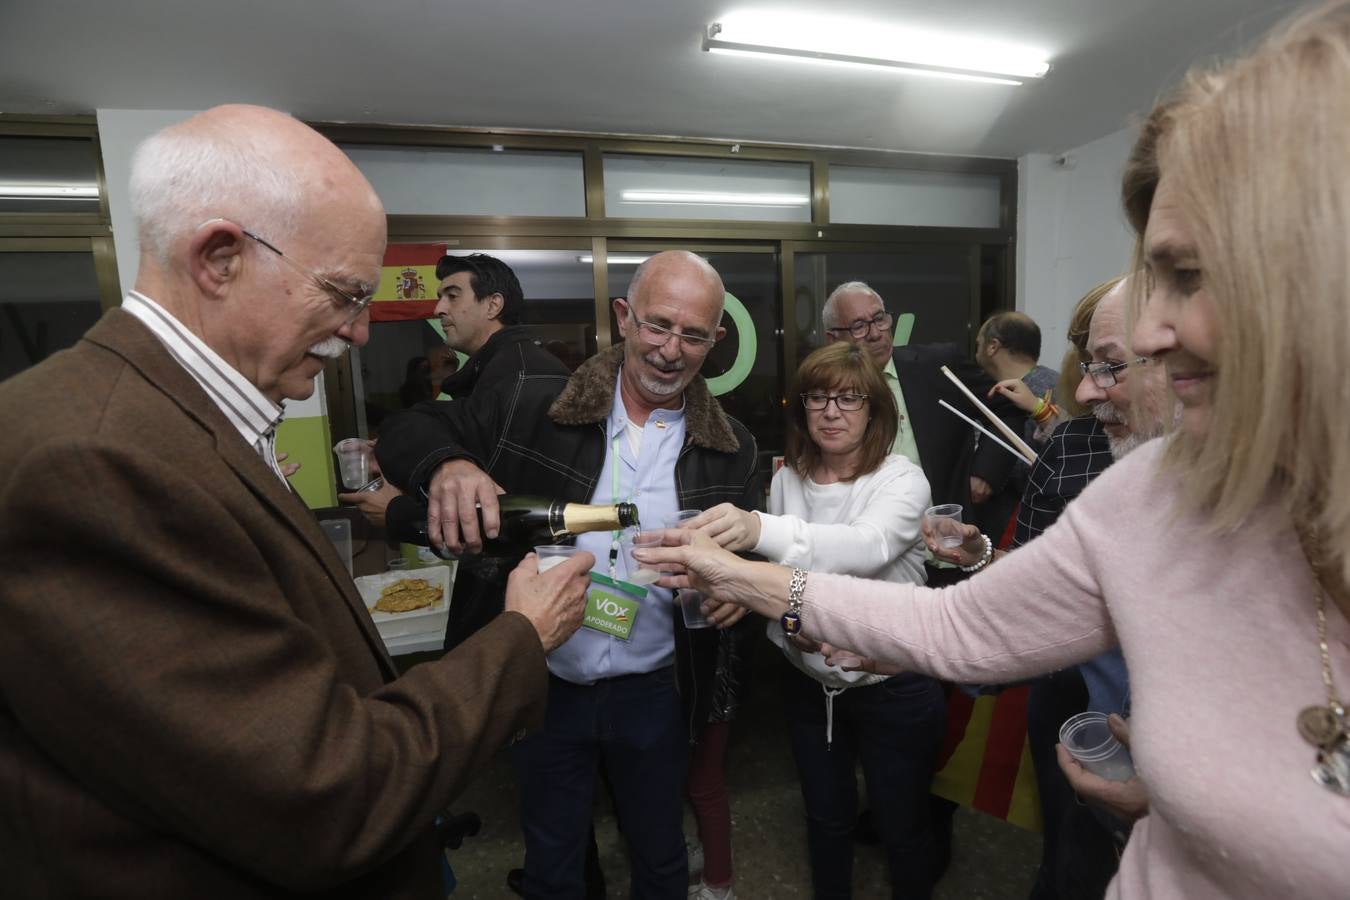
(614, 498)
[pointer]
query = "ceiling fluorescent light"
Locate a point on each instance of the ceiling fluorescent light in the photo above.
(48, 191)
(715, 198)
(839, 42)
(616, 260)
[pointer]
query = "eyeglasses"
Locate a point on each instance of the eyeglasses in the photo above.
(817, 400)
(346, 300)
(1103, 375)
(859, 329)
(658, 335)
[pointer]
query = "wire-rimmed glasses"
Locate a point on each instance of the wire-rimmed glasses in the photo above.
(346, 300)
(861, 328)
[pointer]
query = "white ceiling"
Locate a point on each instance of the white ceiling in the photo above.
(612, 66)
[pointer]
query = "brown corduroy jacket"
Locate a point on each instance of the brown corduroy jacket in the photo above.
(193, 699)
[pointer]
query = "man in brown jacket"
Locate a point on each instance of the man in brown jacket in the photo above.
(193, 699)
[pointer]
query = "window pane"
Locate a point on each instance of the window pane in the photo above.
(405, 361)
(447, 181)
(664, 187)
(48, 175)
(864, 195)
(932, 286)
(47, 301)
(745, 368)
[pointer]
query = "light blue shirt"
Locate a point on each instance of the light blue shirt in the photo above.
(648, 480)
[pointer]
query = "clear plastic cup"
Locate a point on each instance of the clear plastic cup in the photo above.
(690, 601)
(634, 571)
(353, 462)
(1089, 740)
(551, 555)
(397, 564)
(945, 523)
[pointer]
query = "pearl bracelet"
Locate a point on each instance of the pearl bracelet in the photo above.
(985, 557)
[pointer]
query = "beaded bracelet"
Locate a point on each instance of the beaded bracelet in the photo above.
(984, 559)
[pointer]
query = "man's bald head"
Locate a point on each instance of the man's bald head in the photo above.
(252, 165)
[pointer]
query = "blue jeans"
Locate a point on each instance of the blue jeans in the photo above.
(633, 723)
(895, 729)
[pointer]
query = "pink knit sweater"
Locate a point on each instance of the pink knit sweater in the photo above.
(1220, 634)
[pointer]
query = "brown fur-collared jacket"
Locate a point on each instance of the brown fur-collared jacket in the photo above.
(544, 433)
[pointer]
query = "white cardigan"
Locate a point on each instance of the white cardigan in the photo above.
(868, 527)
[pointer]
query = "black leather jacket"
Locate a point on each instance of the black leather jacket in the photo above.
(544, 433)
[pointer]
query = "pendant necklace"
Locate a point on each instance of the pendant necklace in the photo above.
(1324, 725)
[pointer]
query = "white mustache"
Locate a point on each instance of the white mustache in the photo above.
(656, 362)
(1107, 414)
(329, 348)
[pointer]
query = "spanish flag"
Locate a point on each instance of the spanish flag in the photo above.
(408, 283)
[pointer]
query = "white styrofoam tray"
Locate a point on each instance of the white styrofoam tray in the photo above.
(420, 621)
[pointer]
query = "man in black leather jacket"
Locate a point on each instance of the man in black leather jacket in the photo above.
(480, 305)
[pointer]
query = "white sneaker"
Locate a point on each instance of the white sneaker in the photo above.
(702, 891)
(695, 854)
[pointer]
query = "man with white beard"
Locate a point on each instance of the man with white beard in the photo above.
(1125, 392)
(1128, 396)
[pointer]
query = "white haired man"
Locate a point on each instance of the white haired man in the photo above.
(196, 702)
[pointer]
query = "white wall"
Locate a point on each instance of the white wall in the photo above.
(119, 131)
(1071, 232)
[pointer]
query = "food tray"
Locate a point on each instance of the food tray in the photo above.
(419, 621)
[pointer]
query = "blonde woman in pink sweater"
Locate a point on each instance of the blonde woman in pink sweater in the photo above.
(1218, 558)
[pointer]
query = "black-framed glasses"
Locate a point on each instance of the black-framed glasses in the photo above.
(346, 300)
(818, 400)
(1103, 375)
(657, 335)
(860, 329)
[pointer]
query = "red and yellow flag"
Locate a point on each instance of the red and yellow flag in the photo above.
(989, 767)
(408, 283)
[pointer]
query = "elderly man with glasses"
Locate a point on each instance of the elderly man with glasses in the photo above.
(941, 444)
(196, 702)
(633, 423)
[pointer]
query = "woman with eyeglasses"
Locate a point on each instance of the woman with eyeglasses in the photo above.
(1217, 558)
(844, 503)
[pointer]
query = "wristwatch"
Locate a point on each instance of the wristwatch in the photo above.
(792, 619)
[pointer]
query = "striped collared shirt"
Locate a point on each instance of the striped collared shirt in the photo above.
(255, 417)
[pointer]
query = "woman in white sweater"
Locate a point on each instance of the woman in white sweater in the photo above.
(843, 503)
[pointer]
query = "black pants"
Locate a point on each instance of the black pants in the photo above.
(1078, 855)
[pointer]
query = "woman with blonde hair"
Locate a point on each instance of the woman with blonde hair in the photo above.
(1218, 558)
(844, 503)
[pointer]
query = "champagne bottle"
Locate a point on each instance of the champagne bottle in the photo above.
(527, 522)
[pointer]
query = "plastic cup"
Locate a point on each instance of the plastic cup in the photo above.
(634, 571)
(353, 462)
(551, 555)
(679, 518)
(1089, 740)
(945, 523)
(691, 601)
(397, 564)
(339, 531)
